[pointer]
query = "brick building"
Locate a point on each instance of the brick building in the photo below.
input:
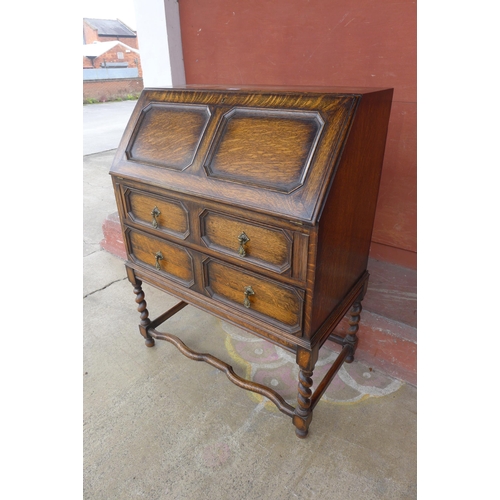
(111, 61)
(107, 30)
(108, 55)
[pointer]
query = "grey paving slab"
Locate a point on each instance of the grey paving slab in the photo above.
(159, 426)
(103, 125)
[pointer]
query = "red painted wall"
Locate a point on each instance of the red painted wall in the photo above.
(369, 43)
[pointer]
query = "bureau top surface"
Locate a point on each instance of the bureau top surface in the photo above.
(272, 150)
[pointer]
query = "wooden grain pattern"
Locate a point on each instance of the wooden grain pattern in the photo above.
(267, 247)
(269, 149)
(272, 299)
(273, 216)
(346, 222)
(226, 311)
(196, 209)
(300, 250)
(176, 263)
(167, 135)
(173, 216)
(302, 204)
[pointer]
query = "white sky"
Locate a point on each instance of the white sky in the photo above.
(111, 9)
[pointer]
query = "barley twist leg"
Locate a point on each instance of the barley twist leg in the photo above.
(142, 308)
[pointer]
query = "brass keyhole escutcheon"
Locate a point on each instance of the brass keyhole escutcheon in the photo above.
(248, 291)
(158, 256)
(155, 213)
(243, 239)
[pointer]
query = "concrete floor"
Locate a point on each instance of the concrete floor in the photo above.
(159, 426)
(104, 124)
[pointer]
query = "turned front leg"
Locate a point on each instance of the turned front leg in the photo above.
(303, 412)
(141, 307)
(351, 338)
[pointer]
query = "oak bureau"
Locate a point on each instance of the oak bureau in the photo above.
(257, 206)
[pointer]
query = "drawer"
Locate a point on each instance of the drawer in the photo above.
(158, 212)
(266, 299)
(261, 245)
(166, 258)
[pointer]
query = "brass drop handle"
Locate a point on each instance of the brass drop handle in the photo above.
(243, 239)
(248, 291)
(158, 256)
(155, 213)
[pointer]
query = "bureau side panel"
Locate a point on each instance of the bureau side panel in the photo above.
(346, 222)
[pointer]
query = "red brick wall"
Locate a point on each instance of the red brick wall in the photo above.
(112, 56)
(89, 34)
(363, 43)
(108, 90)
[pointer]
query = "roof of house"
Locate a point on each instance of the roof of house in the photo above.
(98, 48)
(110, 27)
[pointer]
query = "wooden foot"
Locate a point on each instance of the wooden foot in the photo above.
(351, 337)
(142, 308)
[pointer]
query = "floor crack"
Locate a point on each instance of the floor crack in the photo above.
(95, 251)
(105, 286)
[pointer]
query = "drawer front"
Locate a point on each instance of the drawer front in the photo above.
(260, 245)
(166, 258)
(261, 297)
(157, 212)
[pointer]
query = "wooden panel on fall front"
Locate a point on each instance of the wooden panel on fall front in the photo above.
(168, 135)
(266, 148)
(267, 151)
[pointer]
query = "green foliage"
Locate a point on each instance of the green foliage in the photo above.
(128, 97)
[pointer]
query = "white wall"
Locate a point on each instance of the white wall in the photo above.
(160, 46)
